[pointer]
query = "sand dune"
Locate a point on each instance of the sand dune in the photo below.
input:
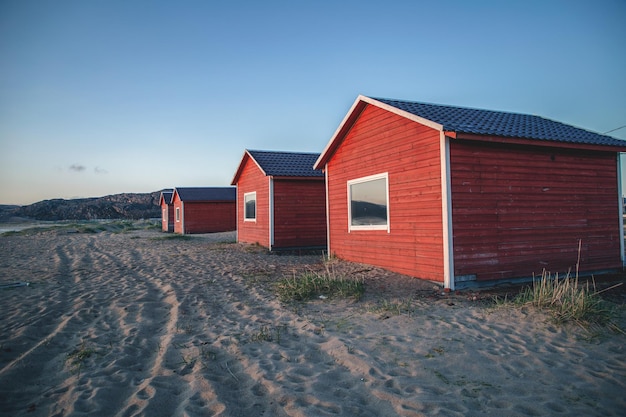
(132, 324)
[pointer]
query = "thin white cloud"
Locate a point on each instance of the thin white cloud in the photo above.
(99, 170)
(77, 168)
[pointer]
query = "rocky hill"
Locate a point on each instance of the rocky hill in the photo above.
(117, 206)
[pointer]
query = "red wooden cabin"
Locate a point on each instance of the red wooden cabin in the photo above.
(466, 196)
(280, 200)
(204, 209)
(167, 211)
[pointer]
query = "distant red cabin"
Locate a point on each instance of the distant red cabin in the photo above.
(204, 209)
(167, 211)
(466, 196)
(280, 200)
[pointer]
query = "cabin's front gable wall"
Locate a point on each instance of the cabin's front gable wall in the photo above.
(299, 213)
(519, 210)
(177, 206)
(252, 179)
(409, 153)
(167, 217)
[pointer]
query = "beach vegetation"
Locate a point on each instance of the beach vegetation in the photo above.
(394, 307)
(173, 236)
(310, 285)
(568, 299)
(86, 227)
(79, 356)
(268, 334)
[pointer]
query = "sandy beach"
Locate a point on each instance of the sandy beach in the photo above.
(137, 324)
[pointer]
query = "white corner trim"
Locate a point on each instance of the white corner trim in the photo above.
(327, 213)
(446, 213)
(621, 205)
(271, 207)
(182, 217)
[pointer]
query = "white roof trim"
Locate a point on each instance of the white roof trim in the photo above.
(255, 161)
(343, 122)
(240, 165)
(403, 113)
(392, 109)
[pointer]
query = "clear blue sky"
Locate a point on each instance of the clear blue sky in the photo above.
(105, 97)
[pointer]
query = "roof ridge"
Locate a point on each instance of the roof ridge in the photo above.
(456, 106)
(283, 152)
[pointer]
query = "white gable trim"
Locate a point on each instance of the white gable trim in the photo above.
(402, 113)
(341, 125)
(255, 161)
(367, 100)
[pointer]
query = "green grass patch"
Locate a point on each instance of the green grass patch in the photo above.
(315, 285)
(79, 356)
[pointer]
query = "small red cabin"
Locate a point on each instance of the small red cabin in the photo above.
(280, 200)
(167, 211)
(465, 196)
(204, 209)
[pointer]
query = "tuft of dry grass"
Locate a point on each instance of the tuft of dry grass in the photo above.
(311, 285)
(567, 299)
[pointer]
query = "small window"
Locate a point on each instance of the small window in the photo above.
(249, 206)
(164, 214)
(177, 214)
(368, 203)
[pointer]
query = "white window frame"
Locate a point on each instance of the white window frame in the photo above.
(178, 214)
(385, 176)
(256, 207)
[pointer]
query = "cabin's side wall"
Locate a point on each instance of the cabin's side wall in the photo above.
(383, 142)
(299, 213)
(252, 179)
(519, 210)
(209, 217)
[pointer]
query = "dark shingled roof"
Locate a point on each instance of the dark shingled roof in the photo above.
(498, 123)
(287, 164)
(167, 196)
(207, 193)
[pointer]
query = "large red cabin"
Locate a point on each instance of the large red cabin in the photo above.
(466, 196)
(280, 200)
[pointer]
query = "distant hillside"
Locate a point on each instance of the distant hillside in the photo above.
(117, 206)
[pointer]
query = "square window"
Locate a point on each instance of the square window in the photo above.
(249, 206)
(368, 203)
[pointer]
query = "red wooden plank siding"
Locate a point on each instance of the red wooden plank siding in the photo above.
(177, 205)
(518, 210)
(253, 179)
(380, 142)
(167, 217)
(209, 217)
(299, 213)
